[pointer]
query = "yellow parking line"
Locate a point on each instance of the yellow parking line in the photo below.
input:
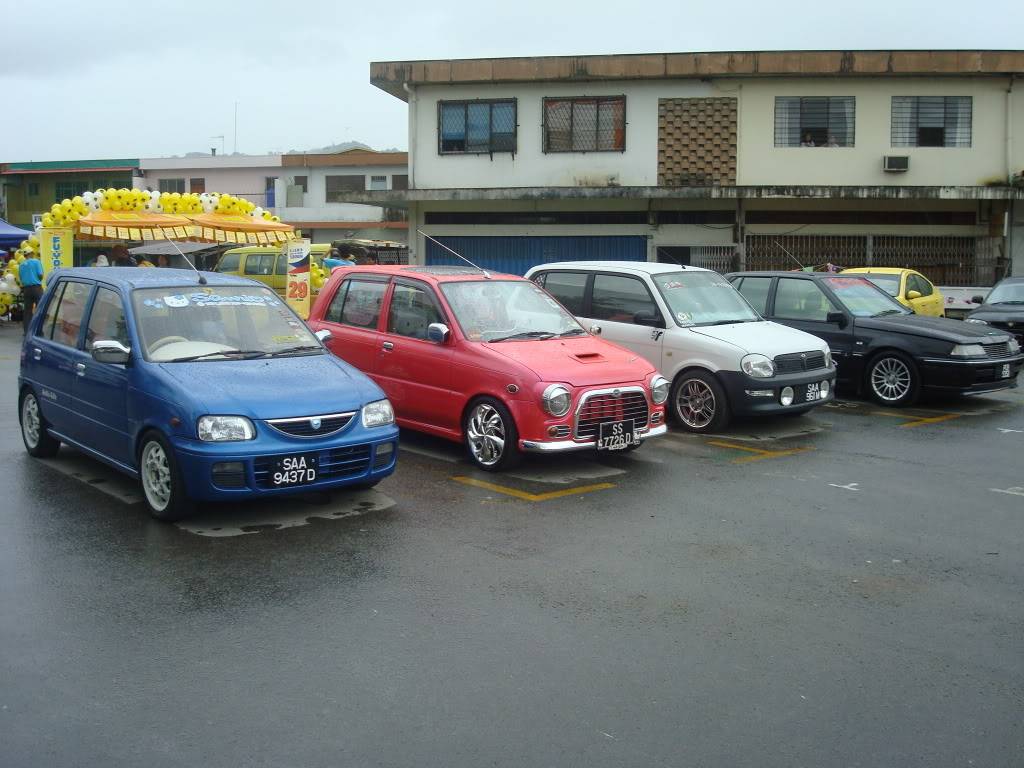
(759, 454)
(515, 493)
(918, 421)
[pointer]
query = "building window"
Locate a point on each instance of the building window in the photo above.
(585, 124)
(197, 185)
(931, 121)
(400, 181)
(33, 189)
(65, 190)
(814, 121)
(172, 185)
(302, 181)
(477, 127)
(378, 182)
(340, 187)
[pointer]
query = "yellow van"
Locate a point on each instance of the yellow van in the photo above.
(265, 263)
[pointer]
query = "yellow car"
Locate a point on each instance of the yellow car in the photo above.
(264, 263)
(911, 289)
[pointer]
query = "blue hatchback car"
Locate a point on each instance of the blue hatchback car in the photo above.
(210, 391)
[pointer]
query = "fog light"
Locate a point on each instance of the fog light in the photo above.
(759, 392)
(824, 389)
(656, 417)
(383, 455)
(229, 474)
(786, 398)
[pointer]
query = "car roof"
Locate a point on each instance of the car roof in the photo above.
(879, 270)
(1011, 280)
(437, 273)
(151, 277)
(315, 248)
(635, 267)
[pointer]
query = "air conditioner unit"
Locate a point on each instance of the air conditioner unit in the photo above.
(895, 163)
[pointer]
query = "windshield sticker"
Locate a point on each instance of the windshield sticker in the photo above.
(207, 300)
(684, 318)
(845, 282)
(285, 339)
(176, 301)
(673, 285)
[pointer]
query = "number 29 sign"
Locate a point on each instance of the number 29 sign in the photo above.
(297, 292)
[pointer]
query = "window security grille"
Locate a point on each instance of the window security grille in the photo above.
(931, 121)
(476, 127)
(585, 124)
(819, 121)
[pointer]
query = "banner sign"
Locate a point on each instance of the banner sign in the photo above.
(56, 248)
(297, 293)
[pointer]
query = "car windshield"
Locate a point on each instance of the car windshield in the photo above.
(888, 283)
(506, 310)
(178, 324)
(863, 298)
(703, 298)
(1007, 293)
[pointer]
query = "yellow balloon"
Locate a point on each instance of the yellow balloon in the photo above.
(55, 209)
(47, 220)
(33, 241)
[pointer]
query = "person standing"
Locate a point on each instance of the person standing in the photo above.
(30, 275)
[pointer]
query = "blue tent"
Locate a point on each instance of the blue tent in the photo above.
(11, 236)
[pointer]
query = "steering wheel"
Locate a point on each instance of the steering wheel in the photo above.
(164, 342)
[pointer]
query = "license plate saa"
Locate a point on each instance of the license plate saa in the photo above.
(1004, 372)
(813, 392)
(617, 435)
(294, 470)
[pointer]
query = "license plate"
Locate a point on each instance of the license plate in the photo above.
(294, 470)
(1005, 372)
(617, 435)
(813, 392)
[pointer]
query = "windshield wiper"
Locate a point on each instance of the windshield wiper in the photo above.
(885, 312)
(573, 332)
(727, 322)
(526, 335)
(1011, 301)
(300, 348)
(246, 354)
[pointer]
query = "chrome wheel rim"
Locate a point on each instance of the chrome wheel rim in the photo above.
(156, 476)
(486, 435)
(890, 379)
(31, 425)
(695, 403)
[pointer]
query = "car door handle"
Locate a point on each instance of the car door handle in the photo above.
(388, 346)
(37, 353)
(80, 369)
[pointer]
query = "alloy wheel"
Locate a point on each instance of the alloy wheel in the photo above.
(486, 435)
(695, 404)
(890, 379)
(156, 476)
(31, 425)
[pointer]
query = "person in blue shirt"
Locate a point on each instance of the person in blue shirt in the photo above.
(30, 275)
(335, 259)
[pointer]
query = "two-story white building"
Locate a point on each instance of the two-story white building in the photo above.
(731, 160)
(249, 176)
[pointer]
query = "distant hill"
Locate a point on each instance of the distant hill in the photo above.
(334, 148)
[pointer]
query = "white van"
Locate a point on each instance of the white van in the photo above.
(722, 357)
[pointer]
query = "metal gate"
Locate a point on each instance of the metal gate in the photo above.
(515, 255)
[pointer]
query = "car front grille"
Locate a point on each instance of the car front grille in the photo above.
(351, 461)
(799, 361)
(602, 407)
(998, 350)
(312, 426)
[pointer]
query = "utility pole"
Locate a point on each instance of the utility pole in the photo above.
(234, 149)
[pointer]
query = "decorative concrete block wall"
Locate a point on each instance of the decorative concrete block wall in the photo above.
(697, 142)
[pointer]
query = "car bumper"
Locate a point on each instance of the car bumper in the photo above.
(739, 388)
(562, 446)
(969, 376)
(226, 471)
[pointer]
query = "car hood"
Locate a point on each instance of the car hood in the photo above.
(955, 331)
(765, 338)
(583, 362)
(1000, 313)
(275, 388)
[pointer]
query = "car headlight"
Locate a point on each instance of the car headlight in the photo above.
(379, 413)
(1014, 346)
(968, 350)
(556, 400)
(828, 358)
(975, 320)
(221, 429)
(758, 366)
(659, 389)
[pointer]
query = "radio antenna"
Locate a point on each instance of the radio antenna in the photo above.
(202, 279)
(455, 253)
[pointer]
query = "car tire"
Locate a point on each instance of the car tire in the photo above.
(38, 441)
(490, 435)
(892, 379)
(160, 477)
(698, 402)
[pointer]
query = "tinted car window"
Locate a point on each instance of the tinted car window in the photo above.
(71, 310)
(258, 264)
(568, 288)
(282, 264)
(755, 290)
(618, 299)
(333, 314)
(106, 320)
(228, 262)
(863, 298)
(46, 327)
(888, 283)
(801, 300)
(362, 304)
(412, 310)
(919, 284)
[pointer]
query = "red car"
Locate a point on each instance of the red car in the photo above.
(490, 360)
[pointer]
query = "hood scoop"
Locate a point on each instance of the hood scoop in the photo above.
(590, 357)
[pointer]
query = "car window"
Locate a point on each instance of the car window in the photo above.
(228, 262)
(46, 327)
(568, 288)
(362, 303)
(888, 283)
(68, 324)
(412, 310)
(755, 290)
(801, 300)
(106, 320)
(333, 314)
(919, 284)
(618, 299)
(281, 267)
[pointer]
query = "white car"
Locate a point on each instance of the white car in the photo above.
(722, 357)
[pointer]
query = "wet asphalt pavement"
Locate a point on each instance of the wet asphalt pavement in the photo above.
(843, 589)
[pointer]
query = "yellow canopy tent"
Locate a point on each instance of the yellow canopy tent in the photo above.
(239, 228)
(133, 225)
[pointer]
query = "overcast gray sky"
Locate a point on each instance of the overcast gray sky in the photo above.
(141, 78)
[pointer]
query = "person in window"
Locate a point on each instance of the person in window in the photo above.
(832, 141)
(163, 261)
(335, 259)
(121, 257)
(807, 141)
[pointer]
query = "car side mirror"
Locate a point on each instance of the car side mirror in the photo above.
(837, 318)
(324, 335)
(595, 330)
(438, 333)
(977, 300)
(111, 352)
(913, 295)
(651, 319)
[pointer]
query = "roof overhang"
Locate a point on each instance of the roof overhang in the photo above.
(391, 76)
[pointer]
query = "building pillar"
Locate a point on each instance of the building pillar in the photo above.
(1015, 238)
(740, 259)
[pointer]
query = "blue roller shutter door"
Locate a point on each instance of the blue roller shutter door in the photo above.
(515, 255)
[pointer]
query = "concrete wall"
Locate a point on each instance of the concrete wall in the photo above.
(315, 206)
(247, 181)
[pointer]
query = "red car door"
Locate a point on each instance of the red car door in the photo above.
(414, 372)
(353, 318)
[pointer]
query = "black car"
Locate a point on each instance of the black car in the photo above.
(880, 347)
(1003, 308)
